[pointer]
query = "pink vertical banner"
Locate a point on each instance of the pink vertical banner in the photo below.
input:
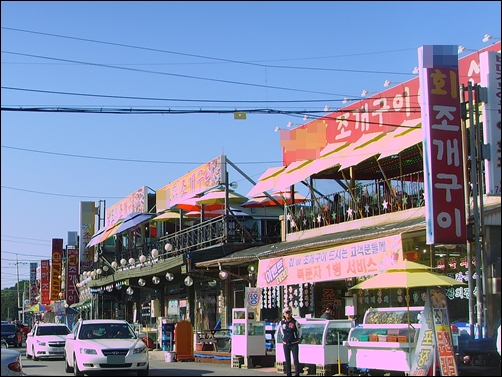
(45, 282)
(442, 145)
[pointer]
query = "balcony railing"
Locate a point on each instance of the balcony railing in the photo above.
(377, 198)
(365, 200)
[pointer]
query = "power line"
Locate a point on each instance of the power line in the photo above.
(170, 74)
(230, 60)
(165, 99)
(65, 195)
(126, 160)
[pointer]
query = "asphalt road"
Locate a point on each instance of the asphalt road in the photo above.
(55, 367)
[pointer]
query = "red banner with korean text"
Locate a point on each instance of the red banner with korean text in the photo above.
(351, 260)
(57, 260)
(442, 145)
(72, 276)
(381, 112)
(45, 282)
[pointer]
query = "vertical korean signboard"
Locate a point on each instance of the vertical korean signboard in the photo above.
(72, 276)
(442, 331)
(442, 145)
(33, 283)
(57, 260)
(45, 281)
(87, 220)
(490, 68)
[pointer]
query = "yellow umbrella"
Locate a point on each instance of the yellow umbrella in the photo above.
(167, 216)
(407, 275)
(218, 197)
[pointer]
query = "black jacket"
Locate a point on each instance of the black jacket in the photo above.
(291, 331)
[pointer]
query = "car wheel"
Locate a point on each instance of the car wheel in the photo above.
(76, 371)
(35, 358)
(143, 372)
(67, 367)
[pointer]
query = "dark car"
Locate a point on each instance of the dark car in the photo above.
(9, 334)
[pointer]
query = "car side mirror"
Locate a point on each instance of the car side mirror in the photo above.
(70, 336)
(140, 334)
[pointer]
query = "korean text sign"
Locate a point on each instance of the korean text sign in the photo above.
(340, 262)
(442, 145)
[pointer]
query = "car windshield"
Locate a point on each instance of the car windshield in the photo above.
(52, 330)
(106, 331)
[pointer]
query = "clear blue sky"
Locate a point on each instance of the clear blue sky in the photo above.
(194, 56)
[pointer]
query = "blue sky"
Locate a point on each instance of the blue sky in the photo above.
(193, 56)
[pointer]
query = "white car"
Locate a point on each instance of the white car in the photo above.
(11, 363)
(105, 345)
(46, 340)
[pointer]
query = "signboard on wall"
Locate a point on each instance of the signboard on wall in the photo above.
(384, 111)
(199, 180)
(137, 202)
(340, 262)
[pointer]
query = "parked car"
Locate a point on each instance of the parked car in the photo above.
(4, 344)
(46, 340)
(9, 334)
(11, 363)
(105, 345)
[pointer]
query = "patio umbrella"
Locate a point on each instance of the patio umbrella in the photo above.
(38, 308)
(168, 216)
(216, 213)
(132, 220)
(218, 197)
(281, 196)
(406, 274)
(192, 205)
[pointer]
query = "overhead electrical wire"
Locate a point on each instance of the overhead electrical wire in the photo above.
(231, 60)
(171, 74)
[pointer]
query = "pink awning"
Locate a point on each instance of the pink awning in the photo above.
(267, 180)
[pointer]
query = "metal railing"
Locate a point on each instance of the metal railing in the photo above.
(376, 198)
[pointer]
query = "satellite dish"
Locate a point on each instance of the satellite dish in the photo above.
(234, 185)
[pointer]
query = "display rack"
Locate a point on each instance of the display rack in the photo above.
(385, 334)
(248, 335)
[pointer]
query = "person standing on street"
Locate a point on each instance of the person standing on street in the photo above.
(291, 333)
(328, 313)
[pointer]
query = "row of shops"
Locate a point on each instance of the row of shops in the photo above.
(148, 260)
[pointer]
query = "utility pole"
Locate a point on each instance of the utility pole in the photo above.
(19, 306)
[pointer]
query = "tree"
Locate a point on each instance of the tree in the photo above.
(8, 305)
